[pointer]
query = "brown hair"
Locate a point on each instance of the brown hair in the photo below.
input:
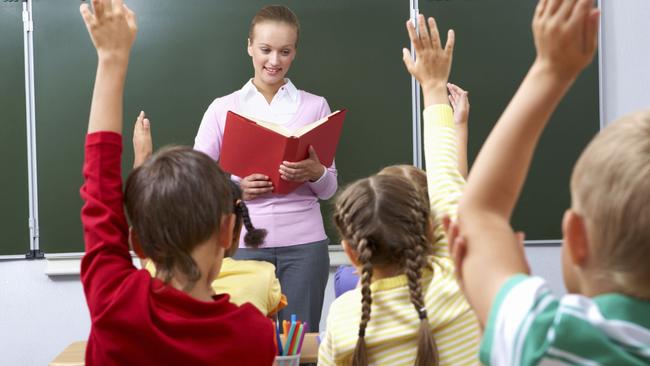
(175, 201)
(275, 13)
(610, 188)
(417, 176)
(385, 219)
(254, 236)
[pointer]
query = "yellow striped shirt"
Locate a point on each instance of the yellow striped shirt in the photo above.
(391, 334)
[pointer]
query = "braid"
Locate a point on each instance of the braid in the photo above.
(360, 357)
(415, 260)
(254, 237)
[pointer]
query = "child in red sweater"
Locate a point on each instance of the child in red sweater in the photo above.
(181, 208)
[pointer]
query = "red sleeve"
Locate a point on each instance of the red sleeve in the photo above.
(107, 261)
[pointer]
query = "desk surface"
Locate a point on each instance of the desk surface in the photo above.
(73, 355)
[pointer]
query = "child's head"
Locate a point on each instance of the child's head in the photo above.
(254, 237)
(417, 176)
(177, 200)
(610, 191)
(272, 43)
(384, 224)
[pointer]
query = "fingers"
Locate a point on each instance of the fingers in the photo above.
(446, 222)
(98, 8)
(591, 30)
(87, 16)
(251, 193)
(541, 7)
(408, 60)
(255, 185)
(552, 7)
(433, 28)
(117, 6)
(566, 9)
(312, 154)
(457, 251)
(451, 41)
(130, 16)
(413, 36)
(586, 17)
(258, 184)
(291, 174)
(521, 237)
(256, 177)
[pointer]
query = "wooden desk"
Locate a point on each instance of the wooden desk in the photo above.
(73, 355)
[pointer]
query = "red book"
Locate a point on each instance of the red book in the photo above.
(252, 146)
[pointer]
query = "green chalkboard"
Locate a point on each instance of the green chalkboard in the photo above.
(14, 214)
(494, 49)
(189, 52)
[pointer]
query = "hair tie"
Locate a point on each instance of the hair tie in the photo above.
(362, 332)
(423, 313)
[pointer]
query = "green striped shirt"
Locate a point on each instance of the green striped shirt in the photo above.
(528, 325)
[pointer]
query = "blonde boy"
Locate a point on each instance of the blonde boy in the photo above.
(606, 319)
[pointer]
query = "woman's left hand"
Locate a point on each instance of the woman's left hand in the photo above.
(309, 169)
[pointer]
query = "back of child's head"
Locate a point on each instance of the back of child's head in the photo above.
(254, 236)
(175, 201)
(385, 220)
(610, 189)
(417, 176)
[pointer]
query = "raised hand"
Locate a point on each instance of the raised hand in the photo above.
(309, 169)
(112, 27)
(565, 35)
(142, 143)
(432, 65)
(460, 104)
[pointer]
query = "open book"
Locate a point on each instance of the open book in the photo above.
(253, 146)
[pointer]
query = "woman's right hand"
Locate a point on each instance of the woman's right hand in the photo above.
(254, 186)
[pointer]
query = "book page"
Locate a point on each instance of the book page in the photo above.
(271, 126)
(303, 130)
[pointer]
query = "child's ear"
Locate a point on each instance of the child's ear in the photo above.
(226, 231)
(135, 243)
(249, 48)
(352, 254)
(574, 229)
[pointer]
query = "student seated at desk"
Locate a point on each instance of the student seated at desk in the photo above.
(244, 280)
(175, 318)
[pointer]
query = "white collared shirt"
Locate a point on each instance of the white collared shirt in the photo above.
(282, 108)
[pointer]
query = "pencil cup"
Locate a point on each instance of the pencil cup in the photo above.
(293, 360)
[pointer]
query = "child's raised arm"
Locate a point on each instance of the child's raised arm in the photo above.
(142, 143)
(431, 68)
(565, 38)
(112, 28)
(460, 104)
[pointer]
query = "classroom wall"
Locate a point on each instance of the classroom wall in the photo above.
(625, 56)
(32, 334)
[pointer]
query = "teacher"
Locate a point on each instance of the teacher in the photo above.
(296, 243)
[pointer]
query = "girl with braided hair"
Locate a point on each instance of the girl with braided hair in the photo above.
(244, 280)
(409, 309)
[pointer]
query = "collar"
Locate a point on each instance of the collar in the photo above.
(249, 90)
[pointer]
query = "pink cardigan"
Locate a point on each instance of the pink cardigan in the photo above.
(290, 219)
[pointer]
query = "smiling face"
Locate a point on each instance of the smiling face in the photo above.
(272, 48)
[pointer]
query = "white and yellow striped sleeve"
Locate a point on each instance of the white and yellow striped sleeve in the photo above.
(325, 351)
(444, 181)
